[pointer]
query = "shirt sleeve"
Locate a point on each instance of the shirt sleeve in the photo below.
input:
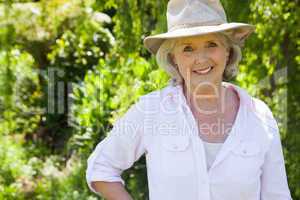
(119, 150)
(274, 185)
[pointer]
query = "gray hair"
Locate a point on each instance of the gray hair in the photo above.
(164, 60)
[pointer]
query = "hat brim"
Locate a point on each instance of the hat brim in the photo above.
(152, 43)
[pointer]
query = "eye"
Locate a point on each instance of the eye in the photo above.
(187, 49)
(212, 44)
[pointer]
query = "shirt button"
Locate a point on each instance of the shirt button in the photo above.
(175, 146)
(245, 151)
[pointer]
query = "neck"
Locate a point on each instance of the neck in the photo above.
(206, 98)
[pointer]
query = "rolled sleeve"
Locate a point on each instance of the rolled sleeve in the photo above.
(274, 185)
(119, 150)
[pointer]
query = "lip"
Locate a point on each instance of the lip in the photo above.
(204, 70)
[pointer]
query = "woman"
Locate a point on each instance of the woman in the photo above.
(203, 138)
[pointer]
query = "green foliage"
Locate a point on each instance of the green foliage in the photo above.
(19, 91)
(78, 50)
(133, 21)
(72, 42)
(23, 177)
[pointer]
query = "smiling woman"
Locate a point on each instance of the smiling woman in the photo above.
(164, 59)
(203, 138)
(202, 55)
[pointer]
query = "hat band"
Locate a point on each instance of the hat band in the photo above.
(191, 25)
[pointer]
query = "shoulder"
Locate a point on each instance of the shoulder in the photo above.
(153, 100)
(263, 113)
(260, 122)
(264, 124)
(256, 108)
(148, 104)
(158, 94)
(265, 119)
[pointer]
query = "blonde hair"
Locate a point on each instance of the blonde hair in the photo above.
(164, 60)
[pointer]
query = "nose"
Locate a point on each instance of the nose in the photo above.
(200, 56)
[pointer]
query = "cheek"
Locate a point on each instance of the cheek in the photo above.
(219, 57)
(184, 65)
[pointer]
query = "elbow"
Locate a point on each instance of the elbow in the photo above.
(98, 186)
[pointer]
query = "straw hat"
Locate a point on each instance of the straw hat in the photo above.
(197, 17)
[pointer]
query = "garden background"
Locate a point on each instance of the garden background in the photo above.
(70, 68)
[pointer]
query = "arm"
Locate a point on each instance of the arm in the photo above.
(274, 185)
(111, 191)
(116, 153)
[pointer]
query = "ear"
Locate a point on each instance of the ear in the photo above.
(240, 35)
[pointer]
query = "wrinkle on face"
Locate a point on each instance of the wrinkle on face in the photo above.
(199, 52)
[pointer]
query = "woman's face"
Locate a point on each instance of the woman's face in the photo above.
(200, 59)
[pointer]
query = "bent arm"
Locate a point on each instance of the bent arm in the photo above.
(116, 153)
(111, 190)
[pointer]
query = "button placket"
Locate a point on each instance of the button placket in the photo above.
(198, 146)
(202, 173)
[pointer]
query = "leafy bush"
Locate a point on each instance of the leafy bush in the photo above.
(20, 93)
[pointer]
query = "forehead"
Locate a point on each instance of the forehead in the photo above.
(198, 39)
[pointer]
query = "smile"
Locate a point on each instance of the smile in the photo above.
(203, 71)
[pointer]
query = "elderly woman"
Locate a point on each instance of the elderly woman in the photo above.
(204, 139)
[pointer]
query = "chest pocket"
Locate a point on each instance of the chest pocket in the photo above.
(246, 161)
(176, 155)
(246, 149)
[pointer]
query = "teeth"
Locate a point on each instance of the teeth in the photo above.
(203, 71)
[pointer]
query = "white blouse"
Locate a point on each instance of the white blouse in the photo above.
(249, 166)
(211, 151)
